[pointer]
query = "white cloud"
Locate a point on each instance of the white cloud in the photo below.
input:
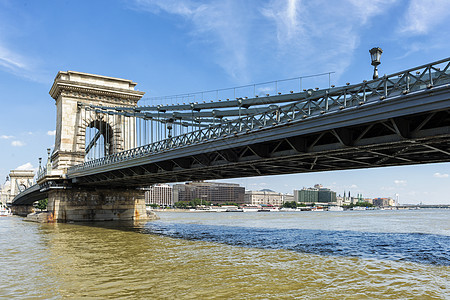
(17, 143)
(353, 186)
(422, 16)
(297, 35)
(13, 62)
(10, 60)
(27, 166)
(6, 137)
(321, 35)
(184, 8)
(220, 24)
(399, 182)
(51, 132)
(439, 175)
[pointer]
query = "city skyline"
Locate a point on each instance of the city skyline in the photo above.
(173, 47)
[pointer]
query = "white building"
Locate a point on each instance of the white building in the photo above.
(267, 198)
(159, 194)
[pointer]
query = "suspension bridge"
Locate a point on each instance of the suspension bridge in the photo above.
(107, 146)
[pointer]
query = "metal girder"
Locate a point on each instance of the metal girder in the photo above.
(436, 149)
(93, 141)
(166, 165)
(401, 126)
(298, 143)
(344, 135)
(261, 150)
(327, 129)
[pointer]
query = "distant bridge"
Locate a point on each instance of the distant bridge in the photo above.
(109, 142)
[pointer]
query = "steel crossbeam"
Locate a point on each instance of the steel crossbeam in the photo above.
(299, 108)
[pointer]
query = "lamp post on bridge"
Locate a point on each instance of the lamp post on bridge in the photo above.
(375, 55)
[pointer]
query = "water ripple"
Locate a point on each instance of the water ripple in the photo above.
(414, 247)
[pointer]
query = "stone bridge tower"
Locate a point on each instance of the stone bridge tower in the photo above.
(70, 89)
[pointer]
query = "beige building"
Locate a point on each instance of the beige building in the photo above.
(383, 202)
(267, 198)
(159, 194)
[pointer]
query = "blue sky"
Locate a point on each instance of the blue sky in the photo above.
(170, 47)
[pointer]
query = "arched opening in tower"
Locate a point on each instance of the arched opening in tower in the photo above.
(99, 140)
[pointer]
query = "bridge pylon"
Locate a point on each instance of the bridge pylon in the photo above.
(71, 90)
(73, 93)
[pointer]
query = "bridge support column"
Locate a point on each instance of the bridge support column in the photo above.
(78, 204)
(22, 210)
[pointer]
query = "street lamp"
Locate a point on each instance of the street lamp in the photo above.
(375, 55)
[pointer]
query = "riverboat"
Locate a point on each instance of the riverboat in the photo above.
(250, 208)
(317, 208)
(359, 208)
(268, 209)
(335, 208)
(4, 212)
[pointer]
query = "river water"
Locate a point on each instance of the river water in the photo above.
(307, 255)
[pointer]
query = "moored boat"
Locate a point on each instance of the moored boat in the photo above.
(4, 212)
(335, 208)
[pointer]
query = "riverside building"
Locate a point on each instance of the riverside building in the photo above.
(159, 194)
(214, 192)
(267, 198)
(318, 194)
(383, 202)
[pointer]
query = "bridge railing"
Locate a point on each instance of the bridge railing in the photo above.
(312, 103)
(41, 173)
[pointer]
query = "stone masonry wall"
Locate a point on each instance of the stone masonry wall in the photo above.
(97, 205)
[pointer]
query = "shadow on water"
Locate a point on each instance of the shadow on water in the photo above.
(415, 247)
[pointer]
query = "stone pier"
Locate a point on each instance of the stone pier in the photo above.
(80, 204)
(22, 210)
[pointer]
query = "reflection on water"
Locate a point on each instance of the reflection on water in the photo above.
(123, 260)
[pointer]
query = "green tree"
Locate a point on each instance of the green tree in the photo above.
(42, 204)
(362, 204)
(290, 204)
(181, 204)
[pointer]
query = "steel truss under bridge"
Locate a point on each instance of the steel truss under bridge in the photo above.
(399, 119)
